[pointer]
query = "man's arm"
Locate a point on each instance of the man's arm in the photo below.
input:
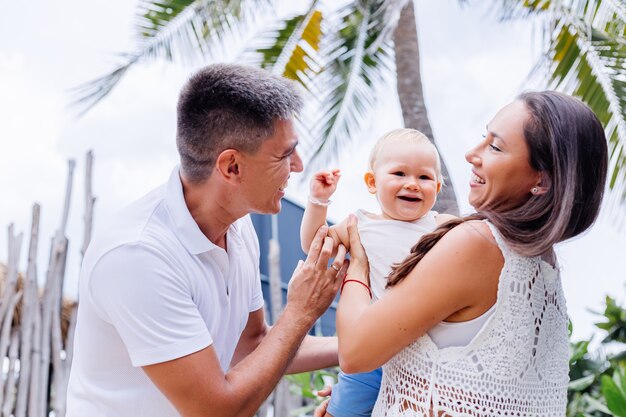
(314, 353)
(196, 384)
(251, 337)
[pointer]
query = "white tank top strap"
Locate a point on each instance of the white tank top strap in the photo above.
(504, 248)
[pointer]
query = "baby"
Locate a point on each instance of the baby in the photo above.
(405, 175)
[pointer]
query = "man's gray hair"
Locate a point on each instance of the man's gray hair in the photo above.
(226, 106)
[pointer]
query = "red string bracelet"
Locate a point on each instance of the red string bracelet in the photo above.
(345, 281)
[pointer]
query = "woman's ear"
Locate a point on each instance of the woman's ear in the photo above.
(370, 182)
(542, 186)
(227, 165)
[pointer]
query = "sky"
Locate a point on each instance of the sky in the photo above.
(472, 65)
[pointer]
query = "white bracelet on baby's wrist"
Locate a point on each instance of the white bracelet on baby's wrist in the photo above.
(317, 202)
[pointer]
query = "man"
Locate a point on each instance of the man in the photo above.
(171, 318)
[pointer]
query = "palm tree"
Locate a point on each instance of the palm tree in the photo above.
(343, 59)
(411, 94)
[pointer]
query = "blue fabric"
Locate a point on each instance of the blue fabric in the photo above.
(355, 395)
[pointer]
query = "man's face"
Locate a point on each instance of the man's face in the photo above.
(266, 173)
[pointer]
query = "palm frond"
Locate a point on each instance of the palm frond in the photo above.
(516, 9)
(386, 18)
(352, 77)
(176, 30)
(587, 58)
(290, 47)
(84, 96)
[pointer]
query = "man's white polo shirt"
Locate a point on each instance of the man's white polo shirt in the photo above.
(153, 288)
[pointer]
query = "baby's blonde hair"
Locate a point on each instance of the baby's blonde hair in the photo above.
(405, 136)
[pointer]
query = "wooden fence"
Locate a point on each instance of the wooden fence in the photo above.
(37, 324)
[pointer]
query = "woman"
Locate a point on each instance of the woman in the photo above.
(474, 322)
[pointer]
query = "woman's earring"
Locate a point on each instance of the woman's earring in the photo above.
(534, 190)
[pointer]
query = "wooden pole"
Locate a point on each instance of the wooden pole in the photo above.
(15, 244)
(6, 338)
(10, 386)
(58, 371)
(89, 203)
(51, 306)
(90, 200)
(10, 287)
(30, 305)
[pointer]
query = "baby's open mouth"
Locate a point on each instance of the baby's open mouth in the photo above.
(411, 199)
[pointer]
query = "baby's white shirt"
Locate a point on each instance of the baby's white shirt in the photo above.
(388, 242)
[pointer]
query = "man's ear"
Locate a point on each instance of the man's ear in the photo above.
(227, 165)
(370, 182)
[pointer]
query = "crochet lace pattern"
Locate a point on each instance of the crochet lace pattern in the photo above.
(517, 365)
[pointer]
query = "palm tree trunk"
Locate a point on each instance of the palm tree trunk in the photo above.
(411, 94)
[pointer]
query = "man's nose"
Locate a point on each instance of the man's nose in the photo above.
(296, 162)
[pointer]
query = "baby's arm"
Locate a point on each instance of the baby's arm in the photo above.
(323, 185)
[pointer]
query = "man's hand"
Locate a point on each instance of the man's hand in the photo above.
(196, 385)
(324, 184)
(314, 284)
(359, 265)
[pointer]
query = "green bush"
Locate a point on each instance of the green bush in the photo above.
(598, 377)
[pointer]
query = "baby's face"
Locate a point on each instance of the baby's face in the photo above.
(405, 180)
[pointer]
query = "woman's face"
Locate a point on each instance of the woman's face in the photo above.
(501, 172)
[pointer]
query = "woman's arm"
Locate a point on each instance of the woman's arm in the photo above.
(456, 280)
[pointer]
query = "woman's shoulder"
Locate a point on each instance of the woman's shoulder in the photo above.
(473, 238)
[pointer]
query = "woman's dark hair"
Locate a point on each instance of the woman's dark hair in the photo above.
(566, 143)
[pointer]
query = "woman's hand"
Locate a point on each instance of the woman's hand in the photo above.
(359, 266)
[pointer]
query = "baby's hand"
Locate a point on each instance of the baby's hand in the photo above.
(324, 184)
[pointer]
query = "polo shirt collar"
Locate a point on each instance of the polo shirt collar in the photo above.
(185, 226)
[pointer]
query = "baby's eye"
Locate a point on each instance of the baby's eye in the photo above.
(494, 147)
(398, 173)
(425, 177)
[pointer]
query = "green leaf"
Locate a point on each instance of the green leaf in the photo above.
(581, 384)
(578, 350)
(614, 395)
(596, 405)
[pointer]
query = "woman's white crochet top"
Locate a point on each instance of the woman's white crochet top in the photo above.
(517, 365)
